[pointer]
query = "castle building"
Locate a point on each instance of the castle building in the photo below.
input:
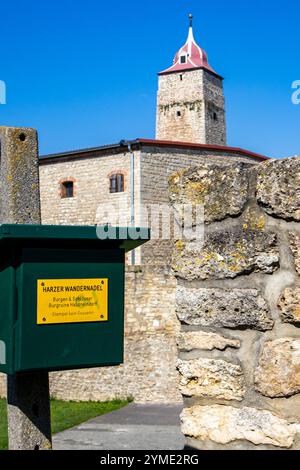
(81, 187)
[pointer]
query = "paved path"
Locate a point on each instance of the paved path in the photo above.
(146, 427)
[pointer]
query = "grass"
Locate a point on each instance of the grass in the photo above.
(64, 414)
(3, 425)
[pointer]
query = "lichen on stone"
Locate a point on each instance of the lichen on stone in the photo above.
(222, 190)
(278, 183)
(253, 219)
(227, 254)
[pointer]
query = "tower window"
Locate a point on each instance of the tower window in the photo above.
(116, 183)
(183, 59)
(181, 77)
(215, 116)
(67, 189)
(178, 113)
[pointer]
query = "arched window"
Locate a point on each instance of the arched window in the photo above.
(116, 183)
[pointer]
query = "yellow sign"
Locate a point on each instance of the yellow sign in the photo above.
(72, 300)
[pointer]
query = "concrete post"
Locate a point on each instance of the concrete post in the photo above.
(28, 393)
(29, 411)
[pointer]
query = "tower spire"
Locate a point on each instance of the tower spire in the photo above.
(190, 55)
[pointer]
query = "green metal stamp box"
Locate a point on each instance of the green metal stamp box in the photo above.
(62, 296)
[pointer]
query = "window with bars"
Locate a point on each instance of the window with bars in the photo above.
(116, 183)
(67, 189)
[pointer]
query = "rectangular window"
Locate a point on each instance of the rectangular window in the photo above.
(67, 189)
(116, 183)
(183, 59)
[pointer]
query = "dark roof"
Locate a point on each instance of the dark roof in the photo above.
(138, 143)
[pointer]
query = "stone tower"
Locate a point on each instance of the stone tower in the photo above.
(190, 99)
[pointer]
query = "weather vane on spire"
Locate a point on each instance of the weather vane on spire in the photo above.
(191, 20)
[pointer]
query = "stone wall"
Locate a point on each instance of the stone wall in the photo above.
(191, 108)
(92, 202)
(157, 166)
(238, 301)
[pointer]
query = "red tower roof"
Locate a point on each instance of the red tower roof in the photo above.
(190, 56)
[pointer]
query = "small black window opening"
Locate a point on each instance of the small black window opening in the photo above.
(67, 189)
(181, 77)
(215, 116)
(183, 59)
(116, 183)
(178, 113)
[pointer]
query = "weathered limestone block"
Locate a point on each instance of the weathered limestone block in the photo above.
(278, 186)
(189, 340)
(211, 378)
(289, 304)
(235, 308)
(226, 254)
(221, 189)
(19, 182)
(295, 248)
(278, 371)
(224, 424)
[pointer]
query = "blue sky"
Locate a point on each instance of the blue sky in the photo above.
(84, 73)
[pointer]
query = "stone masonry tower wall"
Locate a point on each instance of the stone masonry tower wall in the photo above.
(191, 108)
(238, 298)
(190, 100)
